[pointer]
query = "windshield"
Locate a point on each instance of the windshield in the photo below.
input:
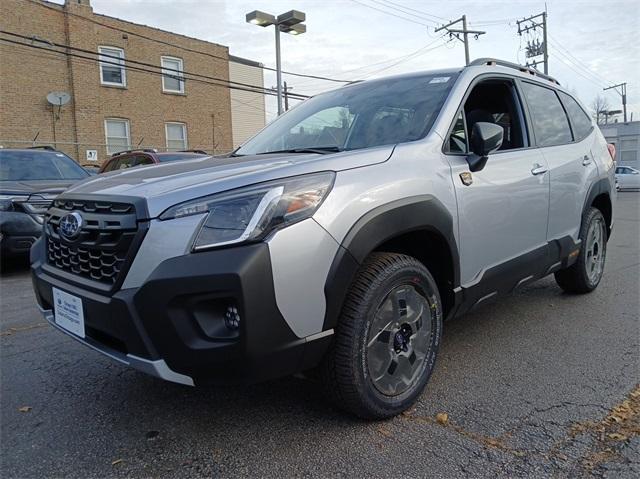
(17, 165)
(362, 115)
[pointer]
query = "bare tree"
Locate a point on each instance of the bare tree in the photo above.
(600, 107)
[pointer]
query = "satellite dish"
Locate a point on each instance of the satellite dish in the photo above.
(58, 98)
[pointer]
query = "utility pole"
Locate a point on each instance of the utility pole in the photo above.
(465, 34)
(623, 93)
(535, 48)
(285, 94)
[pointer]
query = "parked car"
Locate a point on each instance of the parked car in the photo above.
(131, 158)
(29, 180)
(338, 238)
(627, 177)
(91, 169)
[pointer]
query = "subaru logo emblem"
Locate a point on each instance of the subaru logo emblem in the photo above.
(71, 224)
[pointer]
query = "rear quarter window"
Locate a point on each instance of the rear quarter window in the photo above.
(580, 121)
(550, 123)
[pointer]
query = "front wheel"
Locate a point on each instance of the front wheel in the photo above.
(386, 339)
(585, 274)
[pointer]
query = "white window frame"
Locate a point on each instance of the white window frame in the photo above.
(184, 130)
(106, 133)
(172, 73)
(112, 60)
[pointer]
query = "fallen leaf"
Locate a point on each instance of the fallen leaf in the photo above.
(384, 431)
(617, 436)
(117, 461)
(442, 418)
(25, 409)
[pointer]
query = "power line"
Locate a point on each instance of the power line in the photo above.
(124, 62)
(415, 54)
(399, 9)
(140, 69)
(420, 12)
(192, 50)
(558, 45)
(389, 13)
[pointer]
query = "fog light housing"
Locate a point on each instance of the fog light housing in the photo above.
(232, 318)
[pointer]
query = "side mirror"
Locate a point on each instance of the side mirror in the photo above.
(485, 138)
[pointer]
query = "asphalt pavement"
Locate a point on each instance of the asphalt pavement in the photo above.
(539, 384)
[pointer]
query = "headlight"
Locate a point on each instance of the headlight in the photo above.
(250, 213)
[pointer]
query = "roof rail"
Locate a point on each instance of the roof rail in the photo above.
(145, 150)
(43, 147)
(202, 152)
(515, 66)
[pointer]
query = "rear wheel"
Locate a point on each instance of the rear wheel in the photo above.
(585, 274)
(386, 339)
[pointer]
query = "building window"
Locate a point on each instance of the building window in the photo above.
(117, 134)
(112, 70)
(176, 136)
(172, 75)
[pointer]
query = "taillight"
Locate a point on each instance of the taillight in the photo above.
(612, 150)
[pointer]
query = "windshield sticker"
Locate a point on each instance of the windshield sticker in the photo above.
(439, 80)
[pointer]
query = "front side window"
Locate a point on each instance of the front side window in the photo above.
(176, 136)
(490, 101)
(550, 123)
(117, 135)
(172, 75)
(112, 70)
(362, 115)
(579, 119)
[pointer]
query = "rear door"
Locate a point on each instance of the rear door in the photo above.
(566, 147)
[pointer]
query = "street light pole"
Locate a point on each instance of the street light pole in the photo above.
(290, 22)
(278, 70)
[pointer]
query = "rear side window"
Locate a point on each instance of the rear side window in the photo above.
(580, 121)
(550, 123)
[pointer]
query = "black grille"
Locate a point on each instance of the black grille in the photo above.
(103, 248)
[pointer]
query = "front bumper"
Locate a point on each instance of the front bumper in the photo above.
(18, 232)
(173, 326)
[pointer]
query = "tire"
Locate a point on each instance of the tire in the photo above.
(392, 315)
(585, 274)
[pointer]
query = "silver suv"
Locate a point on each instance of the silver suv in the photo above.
(338, 238)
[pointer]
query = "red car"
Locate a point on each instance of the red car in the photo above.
(131, 158)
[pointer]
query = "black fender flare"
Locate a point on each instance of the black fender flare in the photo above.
(596, 189)
(381, 224)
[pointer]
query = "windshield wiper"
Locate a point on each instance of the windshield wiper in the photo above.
(323, 150)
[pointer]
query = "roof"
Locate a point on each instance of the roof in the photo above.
(244, 61)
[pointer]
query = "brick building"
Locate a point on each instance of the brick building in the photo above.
(129, 85)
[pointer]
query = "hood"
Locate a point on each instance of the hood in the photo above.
(168, 184)
(34, 186)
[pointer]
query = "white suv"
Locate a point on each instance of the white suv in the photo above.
(338, 238)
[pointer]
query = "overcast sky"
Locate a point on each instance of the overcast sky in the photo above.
(592, 44)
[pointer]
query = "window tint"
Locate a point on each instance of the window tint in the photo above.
(579, 119)
(550, 122)
(38, 165)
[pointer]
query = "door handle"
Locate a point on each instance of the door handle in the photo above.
(586, 161)
(538, 169)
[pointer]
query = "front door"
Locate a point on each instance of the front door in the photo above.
(502, 209)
